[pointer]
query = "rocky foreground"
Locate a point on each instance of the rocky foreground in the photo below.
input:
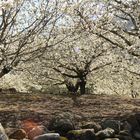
(61, 127)
(55, 117)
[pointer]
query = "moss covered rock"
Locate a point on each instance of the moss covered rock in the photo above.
(63, 138)
(83, 134)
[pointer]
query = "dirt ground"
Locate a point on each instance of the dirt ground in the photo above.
(14, 108)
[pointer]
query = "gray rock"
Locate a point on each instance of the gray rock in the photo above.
(136, 135)
(132, 120)
(135, 126)
(126, 126)
(88, 135)
(61, 124)
(106, 133)
(49, 136)
(3, 135)
(114, 124)
(92, 125)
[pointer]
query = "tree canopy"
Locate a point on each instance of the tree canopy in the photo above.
(68, 41)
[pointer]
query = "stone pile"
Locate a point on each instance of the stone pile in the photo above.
(61, 127)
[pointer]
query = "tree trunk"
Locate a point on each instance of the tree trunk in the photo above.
(1, 74)
(82, 86)
(5, 71)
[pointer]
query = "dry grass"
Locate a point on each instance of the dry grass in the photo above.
(42, 107)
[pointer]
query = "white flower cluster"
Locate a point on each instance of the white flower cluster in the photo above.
(7, 4)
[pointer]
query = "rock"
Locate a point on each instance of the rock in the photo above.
(63, 138)
(92, 125)
(28, 125)
(61, 124)
(18, 134)
(114, 124)
(9, 131)
(136, 135)
(83, 134)
(135, 126)
(120, 137)
(3, 135)
(137, 115)
(125, 126)
(36, 131)
(106, 133)
(49, 136)
(88, 135)
(132, 120)
(124, 133)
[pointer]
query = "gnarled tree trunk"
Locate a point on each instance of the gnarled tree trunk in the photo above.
(82, 85)
(5, 71)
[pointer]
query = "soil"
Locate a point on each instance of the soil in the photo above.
(40, 108)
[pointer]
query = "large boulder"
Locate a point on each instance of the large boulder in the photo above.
(61, 124)
(114, 124)
(3, 135)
